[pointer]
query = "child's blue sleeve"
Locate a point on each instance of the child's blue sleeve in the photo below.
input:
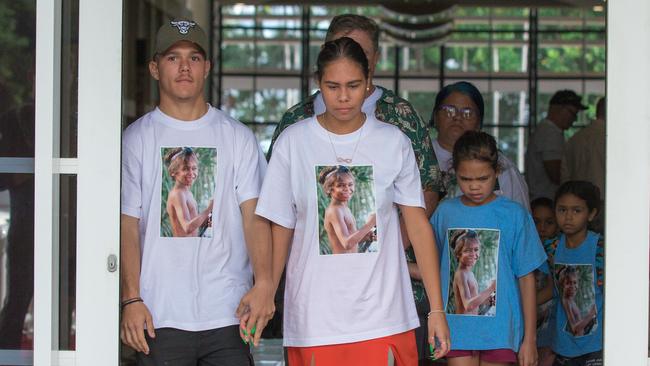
(544, 268)
(528, 253)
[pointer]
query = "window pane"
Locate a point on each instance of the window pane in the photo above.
(559, 59)
(421, 60)
(510, 59)
(238, 104)
(272, 103)
(17, 79)
(16, 262)
(67, 261)
(512, 142)
(69, 78)
(17, 72)
(263, 133)
(237, 56)
(467, 58)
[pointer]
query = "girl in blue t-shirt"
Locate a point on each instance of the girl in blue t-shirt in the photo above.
(492, 240)
(576, 266)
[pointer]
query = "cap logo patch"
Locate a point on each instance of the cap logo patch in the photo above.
(183, 26)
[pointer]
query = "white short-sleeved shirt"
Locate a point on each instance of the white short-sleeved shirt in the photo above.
(342, 298)
(547, 143)
(192, 283)
(511, 183)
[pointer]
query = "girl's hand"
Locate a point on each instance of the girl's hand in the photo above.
(438, 330)
(527, 354)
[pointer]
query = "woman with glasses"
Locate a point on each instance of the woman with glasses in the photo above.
(459, 108)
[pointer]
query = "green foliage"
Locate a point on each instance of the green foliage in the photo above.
(560, 59)
(202, 189)
(361, 204)
(18, 23)
(485, 269)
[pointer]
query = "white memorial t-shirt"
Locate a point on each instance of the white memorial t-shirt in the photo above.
(192, 283)
(511, 183)
(343, 298)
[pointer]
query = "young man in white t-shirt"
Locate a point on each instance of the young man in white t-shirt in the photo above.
(185, 263)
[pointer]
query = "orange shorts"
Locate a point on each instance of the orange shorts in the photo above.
(373, 352)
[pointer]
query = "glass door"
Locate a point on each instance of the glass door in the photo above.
(60, 112)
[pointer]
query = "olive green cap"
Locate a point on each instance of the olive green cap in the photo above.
(180, 30)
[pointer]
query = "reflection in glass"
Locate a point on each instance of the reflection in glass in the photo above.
(67, 260)
(17, 77)
(263, 133)
(17, 260)
(69, 78)
(238, 104)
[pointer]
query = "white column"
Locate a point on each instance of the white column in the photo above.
(47, 114)
(98, 187)
(628, 183)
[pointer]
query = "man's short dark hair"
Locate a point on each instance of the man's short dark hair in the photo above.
(348, 23)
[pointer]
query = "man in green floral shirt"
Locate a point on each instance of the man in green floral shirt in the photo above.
(383, 103)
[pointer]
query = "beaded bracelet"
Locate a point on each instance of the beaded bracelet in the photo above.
(434, 311)
(130, 301)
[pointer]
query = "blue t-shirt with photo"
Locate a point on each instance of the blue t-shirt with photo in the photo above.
(577, 274)
(498, 243)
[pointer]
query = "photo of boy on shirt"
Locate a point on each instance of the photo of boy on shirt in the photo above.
(187, 191)
(346, 209)
(473, 271)
(575, 284)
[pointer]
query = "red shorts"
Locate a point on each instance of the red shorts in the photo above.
(373, 352)
(502, 355)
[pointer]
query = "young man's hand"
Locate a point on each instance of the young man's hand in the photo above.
(134, 318)
(255, 310)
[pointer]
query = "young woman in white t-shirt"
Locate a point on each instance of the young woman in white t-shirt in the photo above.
(349, 308)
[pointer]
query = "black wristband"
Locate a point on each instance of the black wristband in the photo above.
(130, 301)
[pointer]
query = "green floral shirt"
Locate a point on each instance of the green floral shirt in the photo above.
(392, 109)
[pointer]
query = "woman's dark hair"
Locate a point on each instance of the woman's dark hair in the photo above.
(340, 48)
(476, 145)
(542, 202)
(465, 88)
(584, 190)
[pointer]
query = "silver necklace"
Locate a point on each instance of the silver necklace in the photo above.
(338, 158)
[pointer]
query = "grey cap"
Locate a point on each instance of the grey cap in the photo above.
(180, 30)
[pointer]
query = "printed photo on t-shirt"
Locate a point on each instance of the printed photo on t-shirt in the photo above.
(187, 191)
(473, 263)
(346, 209)
(575, 284)
(543, 310)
